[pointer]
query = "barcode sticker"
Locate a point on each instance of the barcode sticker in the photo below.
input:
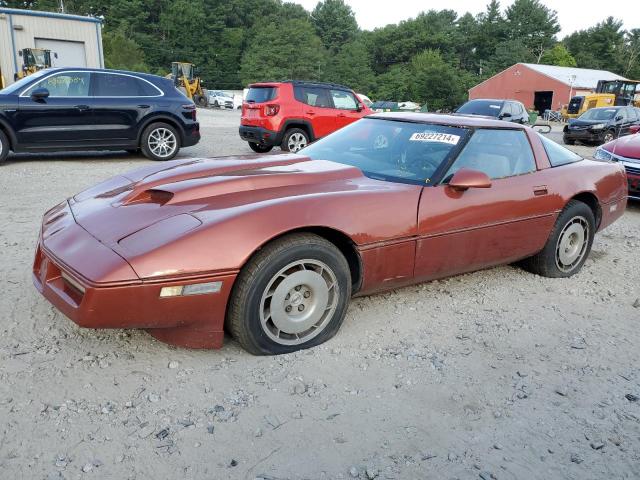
(435, 137)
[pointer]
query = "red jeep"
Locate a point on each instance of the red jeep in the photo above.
(292, 114)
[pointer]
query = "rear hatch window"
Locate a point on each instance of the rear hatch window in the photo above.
(261, 94)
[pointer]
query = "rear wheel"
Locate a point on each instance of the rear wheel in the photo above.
(292, 294)
(294, 140)
(200, 100)
(256, 147)
(4, 146)
(160, 141)
(568, 245)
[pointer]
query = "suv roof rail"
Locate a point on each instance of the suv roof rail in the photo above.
(310, 83)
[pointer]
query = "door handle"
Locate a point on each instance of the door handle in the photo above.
(144, 106)
(341, 115)
(540, 190)
(310, 112)
(82, 108)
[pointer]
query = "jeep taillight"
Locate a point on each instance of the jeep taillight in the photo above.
(271, 110)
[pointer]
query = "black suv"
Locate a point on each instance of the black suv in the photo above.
(508, 110)
(601, 125)
(89, 109)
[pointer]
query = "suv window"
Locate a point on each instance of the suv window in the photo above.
(498, 153)
(114, 85)
(622, 112)
(344, 100)
(632, 114)
(66, 84)
(557, 154)
(261, 94)
(313, 96)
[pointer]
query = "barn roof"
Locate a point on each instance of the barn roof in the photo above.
(584, 77)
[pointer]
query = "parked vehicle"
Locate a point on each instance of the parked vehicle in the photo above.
(185, 78)
(609, 93)
(508, 110)
(601, 125)
(62, 109)
(272, 248)
(294, 113)
(626, 151)
(364, 99)
(33, 60)
(220, 99)
(387, 106)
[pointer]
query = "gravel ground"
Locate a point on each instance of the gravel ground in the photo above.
(495, 374)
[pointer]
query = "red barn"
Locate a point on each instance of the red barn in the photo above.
(541, 87)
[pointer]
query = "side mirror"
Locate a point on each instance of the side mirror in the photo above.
(618, 118)
(39, 94)
(634, 128)
(359, 107)
(504, 115)
(466, 178)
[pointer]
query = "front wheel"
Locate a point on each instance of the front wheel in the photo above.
(292, 294)
(160, 141)
(610, 136)
(294, 140)
(4, 146)
(568, 141)
(568, 245)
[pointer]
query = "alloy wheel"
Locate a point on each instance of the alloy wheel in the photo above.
(572, 244)
(162, 142)
(299, 302)
(296, 142)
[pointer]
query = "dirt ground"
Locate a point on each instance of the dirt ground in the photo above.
(496, 374)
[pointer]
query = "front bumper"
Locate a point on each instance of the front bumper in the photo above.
(586, 135)
(260, 135)
(192, 321)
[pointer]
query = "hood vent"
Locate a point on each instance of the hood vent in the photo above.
(159, 197)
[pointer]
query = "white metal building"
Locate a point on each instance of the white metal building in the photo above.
(74, 41)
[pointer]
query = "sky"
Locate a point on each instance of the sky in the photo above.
(572, 14)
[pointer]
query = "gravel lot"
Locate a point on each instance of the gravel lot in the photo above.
(495, 374)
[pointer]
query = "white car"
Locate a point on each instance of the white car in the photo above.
(364, 99)
(220, 99)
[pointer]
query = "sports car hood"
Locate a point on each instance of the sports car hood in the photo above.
(628, 146)
(187, 191)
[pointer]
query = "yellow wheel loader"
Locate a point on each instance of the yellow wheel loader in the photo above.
(609, 93)
(184, 76)
(33, 60)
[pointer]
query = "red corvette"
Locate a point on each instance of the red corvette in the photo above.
(272, 248)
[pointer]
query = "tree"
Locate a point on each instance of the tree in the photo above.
(534, 24)
(335, 23)
(558, 55)
(631, 66)
(271, 55)
(491, 31)
(437, 83)
(601, 46)
(122, 53)
(508, 53)
(352, 67)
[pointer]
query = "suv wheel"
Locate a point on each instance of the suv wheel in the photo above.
(256, 147)
(160, 141)
(610, 136)
(4, 146)
(294, 140)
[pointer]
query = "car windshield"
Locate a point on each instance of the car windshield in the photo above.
(390, 150)
(487, 108)
(15, 87)
(599, 114)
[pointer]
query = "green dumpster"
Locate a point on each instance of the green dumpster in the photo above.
(533, 117)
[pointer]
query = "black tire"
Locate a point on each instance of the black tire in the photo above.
(244, 321)
(291, 135)
(200, 101)
(216, 104)
(4, 146)
(547, 262)
(256, 147)
(568, 141)
(148, 150)
(609, 136)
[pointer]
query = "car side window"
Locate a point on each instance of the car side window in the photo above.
(622, 113)
(66, 84)
(313, 96)
(344, 100)
(557, 154)
(499, 153)
(112, 85)
(631, 114)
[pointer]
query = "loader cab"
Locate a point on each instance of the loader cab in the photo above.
(624, 91)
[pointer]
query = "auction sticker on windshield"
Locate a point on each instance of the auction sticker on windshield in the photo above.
(435, 137)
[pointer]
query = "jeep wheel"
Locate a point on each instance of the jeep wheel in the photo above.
(294, 140)
(256, 147)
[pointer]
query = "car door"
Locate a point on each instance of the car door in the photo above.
(120, 101)
(317, 109)
(346, 106)
(63, 118)
(461, 231)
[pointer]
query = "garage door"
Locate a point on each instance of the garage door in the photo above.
(70, 54)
